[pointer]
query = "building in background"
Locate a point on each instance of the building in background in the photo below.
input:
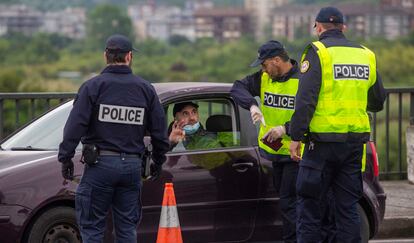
(69, 22)
(162, 22)
(222, 23)
(261, 12)
(368, 20)
(293, 21)
(19, 18)
(263, 19)
(407, 4)
(363, 20)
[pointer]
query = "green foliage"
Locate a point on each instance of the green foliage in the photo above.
(42, 57)
(104, 21)
(10, 79)
(176, 40)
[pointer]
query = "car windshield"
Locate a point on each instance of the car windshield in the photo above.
(43, 134)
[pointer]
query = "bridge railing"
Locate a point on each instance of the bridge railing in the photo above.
(388, 126)
(16, 109)
(389, 132)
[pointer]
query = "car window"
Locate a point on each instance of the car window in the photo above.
(218, 125)
(44, 133)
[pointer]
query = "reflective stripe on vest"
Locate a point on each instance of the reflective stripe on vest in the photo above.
(277, 105)
(364, 158)
(347, 74)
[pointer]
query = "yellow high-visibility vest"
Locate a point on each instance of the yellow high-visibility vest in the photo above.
(277, 105)
(347, 74)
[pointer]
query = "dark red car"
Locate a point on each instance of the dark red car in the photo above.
(224, 192)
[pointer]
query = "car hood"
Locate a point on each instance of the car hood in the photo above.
(12, 160)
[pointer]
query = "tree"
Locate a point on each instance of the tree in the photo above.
(176, 40)
(104, 21)
(41, 49)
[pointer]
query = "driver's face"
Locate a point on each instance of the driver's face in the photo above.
(189, 114)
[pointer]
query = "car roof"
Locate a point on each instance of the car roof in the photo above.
(169, 90)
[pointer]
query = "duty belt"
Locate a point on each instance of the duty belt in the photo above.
(113, 153)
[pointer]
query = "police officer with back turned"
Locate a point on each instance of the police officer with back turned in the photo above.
(339, 83)
(110, 115)
(276, 85)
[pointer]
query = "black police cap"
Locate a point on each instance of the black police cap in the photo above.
(119, 43)
(330, 15)
(270, 49)
(179, 106)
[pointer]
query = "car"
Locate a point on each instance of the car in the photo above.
(223, 193)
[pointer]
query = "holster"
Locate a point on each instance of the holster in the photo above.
(146, 162)
(89, 154)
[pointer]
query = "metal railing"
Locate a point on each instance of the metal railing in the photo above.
(16, 109)
(389, 126)
(388, 131)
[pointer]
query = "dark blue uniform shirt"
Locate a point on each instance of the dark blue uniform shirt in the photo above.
(310, 84)
(244, 91)
(113, 111)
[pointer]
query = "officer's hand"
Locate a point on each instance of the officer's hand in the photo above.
(67, 169)
(155, 171)
(177, 133)
(257, 115)
(295, 149)
(275, 133)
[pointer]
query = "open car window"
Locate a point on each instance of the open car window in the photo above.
(218, 126)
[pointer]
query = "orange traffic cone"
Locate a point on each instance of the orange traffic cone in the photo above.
(169, 229)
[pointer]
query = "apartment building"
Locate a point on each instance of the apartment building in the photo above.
(19, 18)
(362, 20)
(261, 12)
(222, 24)
(69, 22)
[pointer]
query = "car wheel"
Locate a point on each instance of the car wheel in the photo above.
(364, 225)
(55, 225)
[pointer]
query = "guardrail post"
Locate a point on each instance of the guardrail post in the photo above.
(1, 119)
(411, 108)
(410, 142)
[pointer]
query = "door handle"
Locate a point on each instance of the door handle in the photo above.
(242, 167)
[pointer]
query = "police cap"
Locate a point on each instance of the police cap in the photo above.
(330, 15)
(270, 49)
(119, 43)
(179, 106)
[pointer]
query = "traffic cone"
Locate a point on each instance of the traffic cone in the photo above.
(169, 229)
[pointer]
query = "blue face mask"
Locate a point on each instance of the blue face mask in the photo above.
(191, 129)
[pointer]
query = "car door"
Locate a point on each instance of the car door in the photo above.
(216, 188)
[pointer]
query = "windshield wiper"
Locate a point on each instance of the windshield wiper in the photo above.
(27, 148)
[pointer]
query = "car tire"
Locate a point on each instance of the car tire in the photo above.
(364, 228)
(55, 225)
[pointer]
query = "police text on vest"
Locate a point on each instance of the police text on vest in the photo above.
(279, 101)
(121, 114)
(351, 71)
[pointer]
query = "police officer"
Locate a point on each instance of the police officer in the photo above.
(276, 85)
(111, 113)
(339, 82)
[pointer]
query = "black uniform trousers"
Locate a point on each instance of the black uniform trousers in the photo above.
(284, 181)
(336, 167)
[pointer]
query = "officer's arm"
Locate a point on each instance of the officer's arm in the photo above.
(376, 96)
(287, 128)
(77, 124)
(244, 91)
(158, 130)
(307, 96)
